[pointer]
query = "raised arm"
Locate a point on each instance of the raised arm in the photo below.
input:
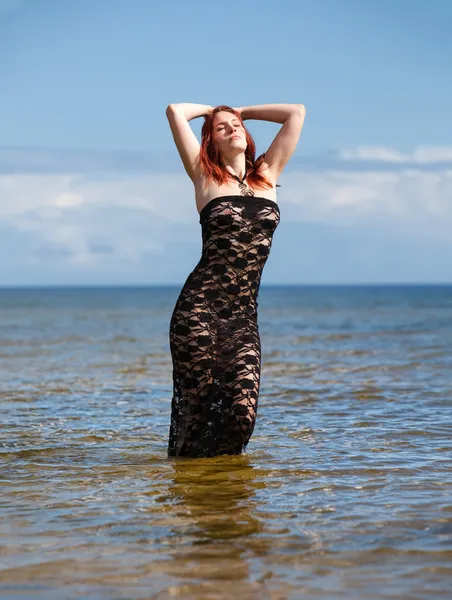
(292, 118)
(186, 141)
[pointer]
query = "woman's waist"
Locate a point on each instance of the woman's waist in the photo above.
(217, 296)
(224, 286)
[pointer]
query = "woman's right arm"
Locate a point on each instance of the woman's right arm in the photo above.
(186, 141)
(191, 111)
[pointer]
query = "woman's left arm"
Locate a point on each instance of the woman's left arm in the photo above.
(277, 113)
(283, 146)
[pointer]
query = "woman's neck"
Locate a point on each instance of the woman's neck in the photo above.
(236, 165)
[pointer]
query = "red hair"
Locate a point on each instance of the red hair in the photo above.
(210, 158)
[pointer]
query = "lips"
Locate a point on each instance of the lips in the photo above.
(234, 137)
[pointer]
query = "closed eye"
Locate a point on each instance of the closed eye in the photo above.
(221, 126)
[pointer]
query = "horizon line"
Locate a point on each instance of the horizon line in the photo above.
(178, 284)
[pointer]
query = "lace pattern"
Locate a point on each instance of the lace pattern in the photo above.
(214, 335)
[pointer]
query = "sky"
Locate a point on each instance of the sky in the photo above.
(92, 189)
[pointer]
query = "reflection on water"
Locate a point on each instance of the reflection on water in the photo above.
(215, 504)
(344, 491)
(217, 497)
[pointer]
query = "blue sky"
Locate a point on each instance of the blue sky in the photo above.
(92, 189)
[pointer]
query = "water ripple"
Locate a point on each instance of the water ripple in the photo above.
(344, 491)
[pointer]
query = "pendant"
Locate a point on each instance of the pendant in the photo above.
(244, 191)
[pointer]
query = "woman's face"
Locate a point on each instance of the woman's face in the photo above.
(229, 133)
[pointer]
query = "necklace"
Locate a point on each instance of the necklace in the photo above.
(244, 191)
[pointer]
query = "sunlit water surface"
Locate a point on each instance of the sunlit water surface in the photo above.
(344, 491)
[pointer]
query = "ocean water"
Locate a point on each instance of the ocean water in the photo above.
(345, 490)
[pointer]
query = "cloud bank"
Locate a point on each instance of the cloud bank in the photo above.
(369, 214)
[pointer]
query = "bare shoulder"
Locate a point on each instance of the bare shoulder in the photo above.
(207, 190)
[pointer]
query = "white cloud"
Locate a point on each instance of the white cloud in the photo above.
(111, 224)
(421, 155)
(415, 200)
(68, 199)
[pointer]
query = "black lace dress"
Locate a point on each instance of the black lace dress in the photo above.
(214, 335)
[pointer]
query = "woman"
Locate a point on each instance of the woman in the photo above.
(214, 336)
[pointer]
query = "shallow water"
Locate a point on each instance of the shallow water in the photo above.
(344, 491)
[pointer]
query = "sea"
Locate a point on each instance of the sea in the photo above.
(344, 491)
